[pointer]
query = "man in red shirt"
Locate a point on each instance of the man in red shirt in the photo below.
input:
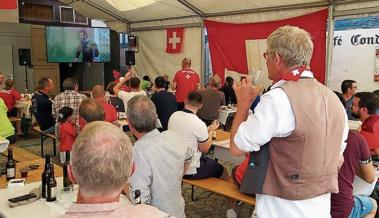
(364, 107)
(10, 95)
(357, 161)
(110, 111)
(185, 81)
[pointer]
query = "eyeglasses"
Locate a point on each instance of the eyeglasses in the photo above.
(266, 54)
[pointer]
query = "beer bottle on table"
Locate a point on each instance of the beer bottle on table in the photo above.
(66, 180)
(45, 175)
(11, 166)
(137, 197)
(51, 185)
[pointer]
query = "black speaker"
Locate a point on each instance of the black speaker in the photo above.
(24, 57)
(130, 58)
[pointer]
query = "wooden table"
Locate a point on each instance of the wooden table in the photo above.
(221, 135)
(20, 154)
(222, 144)
(33, 175)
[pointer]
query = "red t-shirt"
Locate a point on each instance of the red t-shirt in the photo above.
(355, 152)
(68, 135)
(239, 173)
(10, 97)
(370, 131)
(110, 111)
(186, 81)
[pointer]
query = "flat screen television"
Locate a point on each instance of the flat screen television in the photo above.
(77, 44)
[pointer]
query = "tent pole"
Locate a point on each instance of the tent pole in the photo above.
(202, 51)
(330, 44)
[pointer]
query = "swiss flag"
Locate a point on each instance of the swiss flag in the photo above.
(8, 4)
(174, 40)
(230, 52)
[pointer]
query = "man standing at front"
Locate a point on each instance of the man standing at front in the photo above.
(185, 81)
(305, 127)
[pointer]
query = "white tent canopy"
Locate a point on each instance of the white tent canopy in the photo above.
(149, 19)
(151, 13)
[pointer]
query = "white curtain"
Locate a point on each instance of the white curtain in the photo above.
(153, 60)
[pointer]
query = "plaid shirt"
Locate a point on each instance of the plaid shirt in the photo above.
(71, 99)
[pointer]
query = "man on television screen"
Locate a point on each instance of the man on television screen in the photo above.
(89, 50)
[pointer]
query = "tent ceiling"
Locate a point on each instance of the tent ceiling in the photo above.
(137, 11)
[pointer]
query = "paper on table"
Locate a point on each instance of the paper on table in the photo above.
(355, 125)
(223, 143)
(3, 144)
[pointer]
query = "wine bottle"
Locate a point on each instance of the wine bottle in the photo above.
(11, 166)
(51, 186)
(45, 175)
(137, 197)
(66, 180)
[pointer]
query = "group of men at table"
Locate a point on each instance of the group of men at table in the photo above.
(300, 146)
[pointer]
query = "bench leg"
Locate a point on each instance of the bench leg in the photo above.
(42, 145)
(192, 193)
(55, 147)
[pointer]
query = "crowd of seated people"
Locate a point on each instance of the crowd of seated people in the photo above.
(302, 170)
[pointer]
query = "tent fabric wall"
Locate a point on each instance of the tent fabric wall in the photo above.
(153, 60)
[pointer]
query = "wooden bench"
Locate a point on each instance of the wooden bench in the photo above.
(21, 155)
(14, 119)
(220, 187)
(45, 136)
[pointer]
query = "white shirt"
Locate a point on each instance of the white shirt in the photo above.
(126, 96)
(191, 130)
(274, 117)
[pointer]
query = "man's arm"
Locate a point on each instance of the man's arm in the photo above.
(366, 171)
(173, 85)
(246, 94)
(174, 82)
(204, 146)
(127, 76)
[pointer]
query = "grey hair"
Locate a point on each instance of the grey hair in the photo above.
(215, 81)
(101, 159)
(292, 44)
(142, 113)
(69, 83)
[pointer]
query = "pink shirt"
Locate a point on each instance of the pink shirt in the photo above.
(114, 210)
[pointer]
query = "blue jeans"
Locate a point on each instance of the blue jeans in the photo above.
(362, 206)
(50, 130)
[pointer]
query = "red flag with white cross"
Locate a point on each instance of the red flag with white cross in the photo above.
(8, 4)
(174, 40)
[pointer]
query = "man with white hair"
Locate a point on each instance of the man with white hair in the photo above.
(101, 165)
(296, 135)
(161, 159)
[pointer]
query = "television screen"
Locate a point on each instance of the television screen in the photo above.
(77, 44)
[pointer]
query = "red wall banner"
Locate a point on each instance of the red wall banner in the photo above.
(228, 48)
(8, 4)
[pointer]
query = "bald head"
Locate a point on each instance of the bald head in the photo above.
(91, 111)
(186, 63)
(98, 92)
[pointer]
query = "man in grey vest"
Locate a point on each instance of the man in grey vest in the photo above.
(304, 126)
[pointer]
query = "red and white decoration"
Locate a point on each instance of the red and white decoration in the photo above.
(174, 40)
(227, 41)
(8, 4)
